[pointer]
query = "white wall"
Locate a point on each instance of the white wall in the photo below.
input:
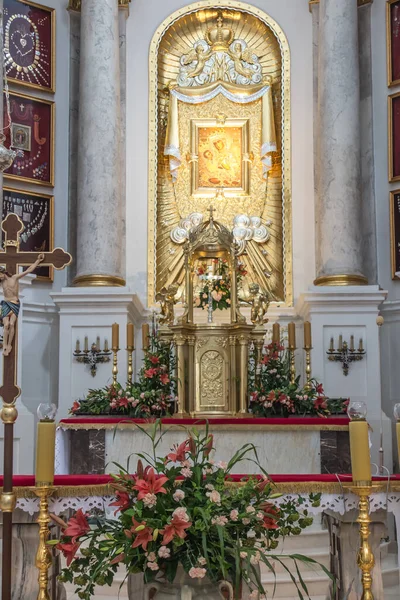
(294, 18)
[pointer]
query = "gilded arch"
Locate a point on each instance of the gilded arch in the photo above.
(170, 41)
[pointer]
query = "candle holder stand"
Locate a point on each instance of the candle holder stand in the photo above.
(365, 556)
(292, 350)
(346, 355)
(115, 365)
(43, 555)
(93, 357)
(130, 350)
(308, 385)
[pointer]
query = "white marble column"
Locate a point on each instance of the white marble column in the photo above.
(100, 238)
(338, 205)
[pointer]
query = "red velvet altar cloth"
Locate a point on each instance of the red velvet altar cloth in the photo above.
(91, 480)
(341, 420)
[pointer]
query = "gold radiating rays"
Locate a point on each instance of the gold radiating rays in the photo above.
(270, 263)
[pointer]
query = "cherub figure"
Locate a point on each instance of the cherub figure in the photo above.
(10, 305)
(199, 54)
(259, 301)
(240, 56)
(166, 298)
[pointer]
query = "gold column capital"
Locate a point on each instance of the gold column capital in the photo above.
(75, 5)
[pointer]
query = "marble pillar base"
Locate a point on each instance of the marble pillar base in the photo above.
(91, 312)
(346, 311)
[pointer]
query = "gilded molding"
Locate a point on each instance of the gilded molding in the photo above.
(98, 281)
(341, 280)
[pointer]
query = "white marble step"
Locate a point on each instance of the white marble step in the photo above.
(392, 592)
(321, 556)
(390, 571)
(311, 539)
(317, 583)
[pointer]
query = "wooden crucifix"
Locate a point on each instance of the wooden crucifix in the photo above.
(11, 258)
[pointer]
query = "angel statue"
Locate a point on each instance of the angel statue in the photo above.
(245, 63)
(193, 63)
(259, 301)
(166, 298)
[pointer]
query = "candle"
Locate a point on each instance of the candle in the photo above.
(292, 336)
(331, 347)
(307, 334)
(361, 346)
(78, 346)
(340, 348)
(276, 333)
(45, 450)
(115, 336)
(352, 343)
(98, 343)
(105, 345)
(86, 347)
(359, 450)
(129, 335)
(145, 336)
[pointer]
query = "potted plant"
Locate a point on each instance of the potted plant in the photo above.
(183, 523)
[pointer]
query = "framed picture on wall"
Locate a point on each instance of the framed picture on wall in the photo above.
(395, 232)
(37, 214)
(29, 44)
(393, 41)
(394, 136)
(31, 133)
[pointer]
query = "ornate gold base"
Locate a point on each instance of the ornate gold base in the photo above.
(98, 281)
(341, 280)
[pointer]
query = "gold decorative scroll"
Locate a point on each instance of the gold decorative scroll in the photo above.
(269, 263)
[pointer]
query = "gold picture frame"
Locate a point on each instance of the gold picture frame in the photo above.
(394, 170)
(51, 88)
(46, 129)
(389, 50)
(48, 222)
(395, 232)
(219, 157)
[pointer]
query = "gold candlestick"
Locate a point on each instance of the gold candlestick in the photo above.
(130, 348)
(115, 366)
(365, 556)
(292, 366)
(43, 555)
(308, 385)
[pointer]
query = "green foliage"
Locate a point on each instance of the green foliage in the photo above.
(185, 510)
(152, 395)
(272, 393)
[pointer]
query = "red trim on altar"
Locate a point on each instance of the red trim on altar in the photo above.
(342, 420)
(91, 480)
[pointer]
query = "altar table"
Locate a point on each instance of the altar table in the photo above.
(284, 445)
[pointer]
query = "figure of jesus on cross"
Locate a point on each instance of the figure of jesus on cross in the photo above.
(11, 258)
(10, 305)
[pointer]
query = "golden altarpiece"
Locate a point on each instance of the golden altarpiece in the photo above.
(212, 358)
(219, 134)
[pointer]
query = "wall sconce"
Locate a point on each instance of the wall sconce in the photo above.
(93, 356)
(345, 354)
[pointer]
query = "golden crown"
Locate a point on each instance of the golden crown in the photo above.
(219, 37)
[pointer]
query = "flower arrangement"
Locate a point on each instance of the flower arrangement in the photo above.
(272, 393)
(219, 287)
(153, 393)
(180, 510)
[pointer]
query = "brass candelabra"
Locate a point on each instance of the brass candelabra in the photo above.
(292, 350)
(93, 356)
(345, 354)
(43, 555)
